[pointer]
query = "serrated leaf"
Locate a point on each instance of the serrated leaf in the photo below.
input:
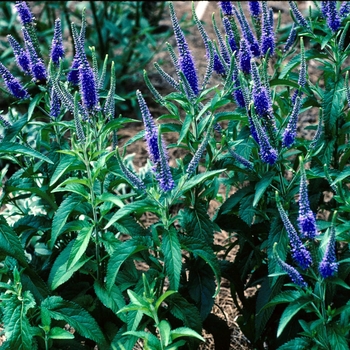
(79, 247)
(343, 175)
(287, 296)
(196, 222)
(296, 344)
(172, 257)
(184, 311)
(185, 332)
(64, 164)
(201, 287)
(139, 207)
(195, 180)
(291, 310)
(61, 216)
(150, 339)
(59, 272)
(73, 188)
(235, 199)
(201, 249)
(185, 127)
(126, 249)
(164, 331)
(114, 299)
(10, 244)
(16, 148)
(337, 339)
(262, 185)
(247, 210)
(333, 102)
(17, 329)
(59, 333)
(76, 317)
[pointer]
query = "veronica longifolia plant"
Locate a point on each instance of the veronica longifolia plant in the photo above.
(75, 248)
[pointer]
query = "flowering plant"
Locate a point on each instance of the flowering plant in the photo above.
(74, 250)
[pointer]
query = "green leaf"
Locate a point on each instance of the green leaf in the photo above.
(343, 175)
(76, 317)
(291, 310)
(59, 272)
(246, 209)
(73, 188)
(126, 250)
(185, 332)
(296, 344)
(18, 331)
(184, 311)
(333, 102)
(10, 244)
(195, 180)
(16, 148)
(172, 257)
(59, 333)
(61, 216)
(114, 299)
(150, 340)
(235, 199)
(164, 331)
(79, 247)
(337, 339)
(287, 296)
(201, 287)
(185, 127)
(139, 207)
(201, 249)
(196, 222)
(162, 298)
(262, 185)
(309, 54)
(66, 162)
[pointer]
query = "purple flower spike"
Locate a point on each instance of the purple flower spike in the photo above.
(344, 9)
(21, 55)
(24, 12)
(230, 34)
(328, 267)
(267, 153)
(294, 275)
(218, 66)
(268, 37)
(163, 173)
(291, 38)
(306, 218)
(324, 8)
(261, 99)
(13, 85)
(254, 8)
(291, 130)
(299, 253)
(247, 32)
(57, 50)
(73, 74)
(186, 61)
(298, 16)
(37, 66)
(226, 8)
(151, 130)
(198, 155)
(333, 19)
(55, 104)
(88, 86)
(244, 57)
